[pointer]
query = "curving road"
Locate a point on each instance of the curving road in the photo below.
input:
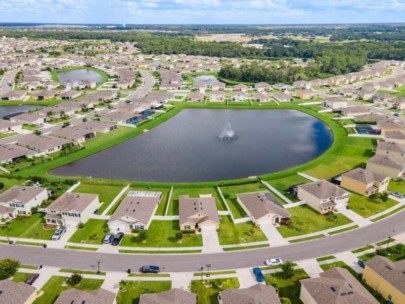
(192, 262)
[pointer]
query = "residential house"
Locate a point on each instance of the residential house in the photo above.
(262, 87)
(217, 96)
(384, 165)
(173, 296)
(306, 94)
(355, 111)
(76, 296)
(282, 97)
(323, 196)
(195, 97)
(121, 117)
(196, 213)
(256, 294)
(218, 86)
(335, 286)
(399, 103)
(364, 182)
(74, 134)
(282, 87)
(42, 144)
(71, 207)
(29, 119)
(238, 96)
(10, 153)
(260, 97)
(241, 87)
(69, 95)
(16, 293)
(262, 207)
(97, 126)
(394, 151)
(23, 198)
(389, 126)
(387, 278)
(135, 211)
(395, 136)
(13, 95)
(8, 126)
(335, 103)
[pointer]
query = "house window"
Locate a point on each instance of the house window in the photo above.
(187, 227)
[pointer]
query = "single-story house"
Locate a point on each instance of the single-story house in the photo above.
(16, 293)
(13, 95)
(173, 296)
(121, 117)
(384, 165)
(42, 144)
(395, 136)
(262, 207)
(262, 87)
(364, 182)
(393, 150)
(75, 296)
(355, 111)
(135, 211)
(323, 196)
(335, 286)
(306, 94)
(282, 97)
(8, 126)
(71, 207)
(241, 87)
(97, 126)
(74, 134)
(217, 96)
(195, 213)
(386, 277)
(24, 198)
(69, 95)
(256, 294)
(218, 86)
(238, 96)
(195, 97)
(389, 126)
(29, 119)
(335, 103)
(260, 97)
(10, 153)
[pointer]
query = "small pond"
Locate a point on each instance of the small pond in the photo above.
(14, 110)
(208, 79)
(80, 75)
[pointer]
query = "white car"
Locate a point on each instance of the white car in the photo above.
(273, 262)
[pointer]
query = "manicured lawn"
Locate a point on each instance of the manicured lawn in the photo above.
(56, 285)
(367, 207)
(208, 291)
(93, 232)
(163, 234)
(28, 227)
(340, 264)
(131, 291)
(288, 288)
(283, 184)
(106, 193)
(350, 153)
(397, 186)
(9, 182)
(306, 220)
(193, 192)
(229, 233)
(394, 253)
(21, 277)
(230, 192)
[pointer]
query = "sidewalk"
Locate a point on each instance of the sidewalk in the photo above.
(272, 234)
(246, 277)
(354, 217)
(311, 267)
(350, 259)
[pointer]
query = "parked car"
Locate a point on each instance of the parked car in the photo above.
(108, 238)
(58, 233)
(258, 274)
(150, 269)
(273, 262)
(32, 278)
(117, 239)
(397, 194)
(361, 263)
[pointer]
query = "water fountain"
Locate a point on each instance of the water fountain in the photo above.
(227, 133)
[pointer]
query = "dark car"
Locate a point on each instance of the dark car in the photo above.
(117, 239)
(361, 263)
(150, 269)
(258, 274)
(32, 278)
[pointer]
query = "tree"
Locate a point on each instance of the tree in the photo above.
(8, 267)
(288, 269)
(74, 279)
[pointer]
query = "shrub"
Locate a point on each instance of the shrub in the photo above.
(288, 269)
(74, 279)
(8, 267)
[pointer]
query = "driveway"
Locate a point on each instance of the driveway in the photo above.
(210, 239)
(272, 234)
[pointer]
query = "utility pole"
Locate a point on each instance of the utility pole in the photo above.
(98, 266)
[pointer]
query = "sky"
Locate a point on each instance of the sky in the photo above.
(203, 11)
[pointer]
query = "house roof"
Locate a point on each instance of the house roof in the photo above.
(15, 293)
(256, 294)
(72, 201)
(204, 206)
(75, 296)
(10, 151)
(391, 146)
(394, 135)
(365, 176)
(337, 286)
(384, 160)
(71, 133)
(137, 207)
(173, 296)
(40, 143)
(95, 126)
(22, 194)
(260, 204)
(322, 189)
(391, 272)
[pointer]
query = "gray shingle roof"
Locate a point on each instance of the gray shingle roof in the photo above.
(323, 189)
(257, 294)
(173, 296)
(15, 293)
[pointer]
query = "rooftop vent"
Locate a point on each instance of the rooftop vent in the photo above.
(333, 289)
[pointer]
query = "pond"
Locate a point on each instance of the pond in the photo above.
(188, 148)
(80, 75)
(208, 79)
(14, 110)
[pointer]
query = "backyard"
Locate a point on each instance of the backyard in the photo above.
(284, 184)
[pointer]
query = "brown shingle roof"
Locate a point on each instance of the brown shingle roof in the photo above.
(383, 160)
(72, 201)
(257, 294)
(323, 189)
(173, 296)
(15, 293)
(205, 206)
(75, 296)
(22, 194)
(365, 176)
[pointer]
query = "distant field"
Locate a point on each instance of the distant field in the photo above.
(238, 38)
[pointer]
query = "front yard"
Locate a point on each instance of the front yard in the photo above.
(306, 220)
(162, 234)
(208, 291)
(93, 232)
(367, 207)
(131, 291)
(230, 233)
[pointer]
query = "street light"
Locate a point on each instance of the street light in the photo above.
(208, 270)
(202, 268)
(98, 266)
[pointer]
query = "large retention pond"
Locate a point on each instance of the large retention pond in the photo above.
(187, 148)
(7, 111)
(80, 75)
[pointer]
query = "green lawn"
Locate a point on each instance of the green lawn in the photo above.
(208, 291)
(288, 288)
(21, 277)
(193, 192)
(230, 192)
(306, 220)
(163, 234)
(56, 285)
(106, 192)
(93, 232)
(367, 207)
(27, 227)
(394, 253)
(9, 182)
(131, 291)
(229, 233)
(340, 264)
(283, 184)
(397, 186)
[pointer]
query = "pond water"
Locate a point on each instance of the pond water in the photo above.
(187, 148)
(13, 110)
(208, 79)
(80, 75)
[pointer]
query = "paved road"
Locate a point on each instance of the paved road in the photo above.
(192, 262)
(8, 78)
(148, 83)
